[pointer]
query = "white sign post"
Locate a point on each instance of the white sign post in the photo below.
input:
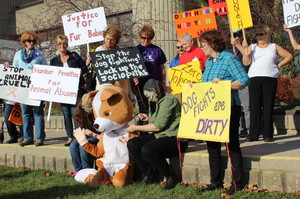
(14, 84)
(84, 27)
(57, 84)
(291, 10)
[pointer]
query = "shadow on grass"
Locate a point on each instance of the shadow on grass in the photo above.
(53, 192)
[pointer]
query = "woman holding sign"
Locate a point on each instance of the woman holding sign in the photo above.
(154, 59)
(112, 35)
(72, 60)
(222, 65)
(263, 73)
(26, 58)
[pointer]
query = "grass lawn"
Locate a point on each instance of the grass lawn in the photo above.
(18, 183)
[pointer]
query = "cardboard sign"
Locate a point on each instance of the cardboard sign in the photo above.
(183, 74)
(291, 11)
(118, 64)
(220, 6)
(239, 14)
(54, 84)
(84, 27)
(14, 83)
(195, 22)
(205, 111)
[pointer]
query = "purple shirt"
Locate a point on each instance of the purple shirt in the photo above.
(153, 57)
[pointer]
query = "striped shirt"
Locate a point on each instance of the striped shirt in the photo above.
(226, 67)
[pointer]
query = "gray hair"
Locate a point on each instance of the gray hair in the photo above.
(186, 37)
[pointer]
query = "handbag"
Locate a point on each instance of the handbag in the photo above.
(16, 115)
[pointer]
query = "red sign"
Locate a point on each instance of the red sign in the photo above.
(220, 6)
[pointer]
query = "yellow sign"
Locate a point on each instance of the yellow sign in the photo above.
(205, 111)
(239, 14)
(183, 74)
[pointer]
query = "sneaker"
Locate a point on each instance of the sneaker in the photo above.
(39, 143)
(232, 190)
(212, 187)
(27, 142)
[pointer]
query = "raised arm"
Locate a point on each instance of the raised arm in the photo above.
(294, 42)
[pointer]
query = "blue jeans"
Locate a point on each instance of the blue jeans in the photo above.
(11, 127)
(80, 158)
(69, 111)
(38, 114)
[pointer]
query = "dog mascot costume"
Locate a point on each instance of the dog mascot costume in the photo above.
(112, 110)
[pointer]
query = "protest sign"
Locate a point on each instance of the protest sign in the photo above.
(239, 14)
(183, 74)
(14, 83)
(220, 6)
(291, 11)
(118, 64)
(54, 84)
(205, 111)
(195, 21)
(84, 27)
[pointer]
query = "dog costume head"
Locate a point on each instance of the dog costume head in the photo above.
(112, 108)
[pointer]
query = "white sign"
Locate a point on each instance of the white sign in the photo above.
(85, 27)
(14, 83)
(291, 10)
(55, 84)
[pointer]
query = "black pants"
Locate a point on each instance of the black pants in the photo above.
(214, 151)
(148, 151)
(262, 92)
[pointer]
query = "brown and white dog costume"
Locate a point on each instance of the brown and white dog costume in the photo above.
(112, 110)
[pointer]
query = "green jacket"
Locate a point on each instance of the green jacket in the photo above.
(167, 116)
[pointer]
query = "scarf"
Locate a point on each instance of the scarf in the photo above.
(27, 58)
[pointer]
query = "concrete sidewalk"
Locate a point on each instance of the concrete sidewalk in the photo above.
(274, 166)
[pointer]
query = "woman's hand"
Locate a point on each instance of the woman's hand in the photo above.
(216, 80)
(143, 117)
(6, 64)
(285, 27)
(131, 128)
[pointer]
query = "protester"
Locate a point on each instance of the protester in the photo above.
(236, 41)
(26, 58)
(296, 47)
(222, 65)
(263, 73)
(180, 51)
(150, 151)
(84, 119)
(69, 60)
(154, 59)
(112, 35)
(191, 53)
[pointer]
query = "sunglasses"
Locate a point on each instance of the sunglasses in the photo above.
(178, 47)
(146, 37)
(29, 41)
(260, 34)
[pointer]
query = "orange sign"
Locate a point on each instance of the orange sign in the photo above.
(16, 115)
(195, 21)
(220, 6)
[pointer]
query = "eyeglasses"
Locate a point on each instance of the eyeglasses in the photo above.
(146, 37)
(178, 47)
(63, 44)
(260, 34)
(29, 41)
